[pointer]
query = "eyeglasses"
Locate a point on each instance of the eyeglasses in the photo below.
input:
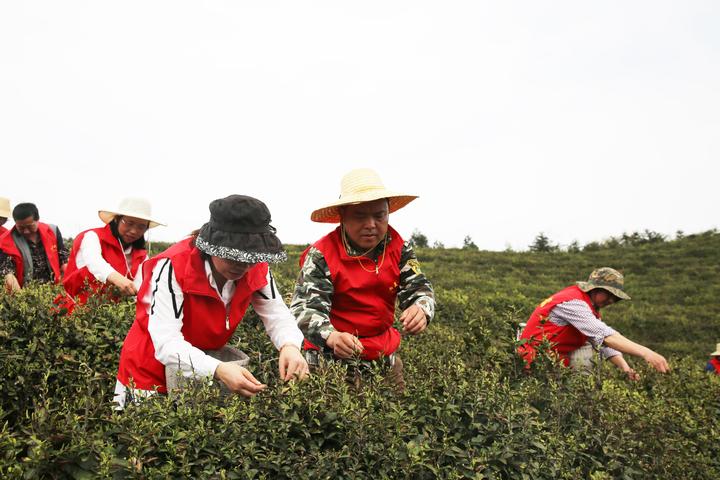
(138, 227)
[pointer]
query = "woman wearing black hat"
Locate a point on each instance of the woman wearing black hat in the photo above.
(195, 294)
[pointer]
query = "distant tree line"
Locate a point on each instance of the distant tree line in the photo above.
(420, 240)
(542, 242)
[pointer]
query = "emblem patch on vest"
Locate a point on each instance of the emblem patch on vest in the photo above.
(415, 265)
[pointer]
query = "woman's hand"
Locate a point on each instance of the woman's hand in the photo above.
(292, 363)
(238, 379)
(124, 284)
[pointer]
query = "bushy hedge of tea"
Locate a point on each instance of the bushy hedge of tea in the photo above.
(469, 411)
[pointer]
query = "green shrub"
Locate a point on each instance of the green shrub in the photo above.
(470, 410)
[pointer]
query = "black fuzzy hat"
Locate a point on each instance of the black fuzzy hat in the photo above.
(239, 229)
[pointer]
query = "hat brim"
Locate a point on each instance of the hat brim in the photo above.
(240, 247)
(715, 353)
(107, 215)
(587, 286)
(331, 213)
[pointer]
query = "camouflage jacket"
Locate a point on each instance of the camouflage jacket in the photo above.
(313, 294)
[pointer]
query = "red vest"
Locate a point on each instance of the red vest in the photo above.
(565, 339)
(363, 302)
(715, 362)
(112, 252)
(204, 314)
(49, 242)
(3, 230)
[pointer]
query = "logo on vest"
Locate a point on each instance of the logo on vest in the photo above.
(546, 301)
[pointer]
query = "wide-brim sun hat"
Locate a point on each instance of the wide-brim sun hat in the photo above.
(360, 186)
(239, 230)
(131, 207)
(608, 279)
(4, 207)
(717, 351)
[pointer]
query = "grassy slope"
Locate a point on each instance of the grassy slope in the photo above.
(469, 411)
(674, 286)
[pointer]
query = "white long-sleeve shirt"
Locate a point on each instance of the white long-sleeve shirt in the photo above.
(90, 255)
(165, 309)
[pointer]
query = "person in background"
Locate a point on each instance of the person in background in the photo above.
(34, 251)
(571, 318)
(4, 214)
(193, 297)
(111, 255)
(350, 280)
(713, 364)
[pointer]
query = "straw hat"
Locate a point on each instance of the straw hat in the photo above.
(717, 351)
(4, 207)
(359, 186)
(608, 279)
(130, 207)
(239, 229)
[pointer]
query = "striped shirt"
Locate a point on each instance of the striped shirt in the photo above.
(578, 314)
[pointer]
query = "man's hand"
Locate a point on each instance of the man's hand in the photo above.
(238, 379)
(413, 319)
(620, 362)
(657, 361)
(292, 363)
(632, 374)
(344, 344)
(618, 342)
(124, 284)
(11, 283)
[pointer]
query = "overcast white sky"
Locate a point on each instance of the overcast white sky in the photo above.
(507, 118)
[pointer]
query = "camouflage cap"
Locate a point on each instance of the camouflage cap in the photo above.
(608, 279)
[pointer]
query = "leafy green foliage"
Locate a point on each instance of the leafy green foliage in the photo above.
(542, 244)
(418, 239)
(468, 243)
(470, 409)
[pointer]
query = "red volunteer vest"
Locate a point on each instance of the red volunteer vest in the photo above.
(3, 230)
(112, 252)
(49, 242)
(363, 302)
(715, 361)
(204, 314)
(565, 339)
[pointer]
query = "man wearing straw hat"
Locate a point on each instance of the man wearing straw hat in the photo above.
(571, 318)
(713, 364)
(4, 214)
(350, 279)
(34, 250)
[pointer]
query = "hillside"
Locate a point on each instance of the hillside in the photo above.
(674, 285)
(470, 410)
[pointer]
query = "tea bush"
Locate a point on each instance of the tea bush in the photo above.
(470, 409)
